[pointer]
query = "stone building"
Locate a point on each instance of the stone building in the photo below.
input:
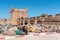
(16, 15)
(20, 17)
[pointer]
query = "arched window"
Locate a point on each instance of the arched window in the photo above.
(32, 23)
(21, 17)
(18, 18)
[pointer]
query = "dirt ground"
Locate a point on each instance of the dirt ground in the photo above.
(55, 36)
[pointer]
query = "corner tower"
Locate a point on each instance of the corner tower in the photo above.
(18, 13)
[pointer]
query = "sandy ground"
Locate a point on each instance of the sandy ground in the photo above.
(55, 36)
(43, 37)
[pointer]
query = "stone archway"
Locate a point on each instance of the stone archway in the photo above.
(21, 22)
(26, 22)
(18, 21)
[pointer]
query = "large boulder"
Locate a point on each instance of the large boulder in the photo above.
(11, 31)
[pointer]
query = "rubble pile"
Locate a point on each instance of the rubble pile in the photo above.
(24, 30)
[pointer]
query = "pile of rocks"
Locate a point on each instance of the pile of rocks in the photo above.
(23, 30)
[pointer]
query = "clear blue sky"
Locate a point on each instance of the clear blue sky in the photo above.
(35, 7)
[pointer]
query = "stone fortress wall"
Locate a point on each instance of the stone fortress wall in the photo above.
(20, 17)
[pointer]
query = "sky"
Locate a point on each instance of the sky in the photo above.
(35, 7)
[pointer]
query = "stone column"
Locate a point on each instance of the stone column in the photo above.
(35, 22)
(23, 22)
(28, 22)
